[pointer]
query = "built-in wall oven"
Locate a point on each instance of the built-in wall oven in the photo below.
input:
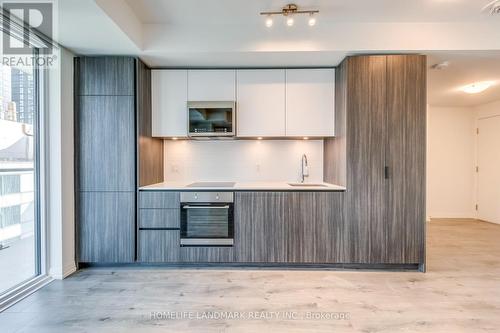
(207, 219)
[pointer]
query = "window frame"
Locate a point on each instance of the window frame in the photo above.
(40, 175)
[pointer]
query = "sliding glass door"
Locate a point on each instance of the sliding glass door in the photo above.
(19, 176)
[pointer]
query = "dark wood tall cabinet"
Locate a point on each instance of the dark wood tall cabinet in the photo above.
(112, 97)
(380, 113)
(405, 158)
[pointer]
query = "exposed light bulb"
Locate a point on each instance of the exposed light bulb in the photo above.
(259, 138)
(305, 138)
(269, 21)
(477, 87)
(289, 21)
(312, 20)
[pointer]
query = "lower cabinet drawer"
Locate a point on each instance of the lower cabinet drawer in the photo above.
(159, 218)
(159, 199)
(158, 246)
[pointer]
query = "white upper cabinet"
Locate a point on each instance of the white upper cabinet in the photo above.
(269, 102)
(310, 102)
(211, 85)
(169, 102)
(260, 98)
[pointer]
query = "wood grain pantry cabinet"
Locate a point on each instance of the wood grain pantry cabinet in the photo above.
(106, 226)
(310, 102)
(112, 112)
(169, 95)
(380, 130)
(260, 102)
(106, 123)
(105, 76)
(105, 165)
(405, 158)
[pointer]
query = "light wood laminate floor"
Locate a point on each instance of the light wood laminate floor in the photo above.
(459, 293)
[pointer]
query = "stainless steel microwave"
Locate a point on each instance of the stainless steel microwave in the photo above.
(211, 119)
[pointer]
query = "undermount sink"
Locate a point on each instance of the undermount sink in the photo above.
(307, 184)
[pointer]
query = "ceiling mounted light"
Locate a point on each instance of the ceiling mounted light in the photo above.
(441, 65)
(312, 20)
(492, 8)
(269, 21)
(288, 12)
(477, 87)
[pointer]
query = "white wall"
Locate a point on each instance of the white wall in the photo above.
(487, 110)
(242, 160)
(60, 179)
(450, 162)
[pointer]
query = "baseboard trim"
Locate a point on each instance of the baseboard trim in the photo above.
(70, 269)
(448, 217)
(62, 273)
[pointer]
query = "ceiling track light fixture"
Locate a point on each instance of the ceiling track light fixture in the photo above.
(492, 8)
(289, 11)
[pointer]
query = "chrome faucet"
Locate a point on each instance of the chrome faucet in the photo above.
(305, 168)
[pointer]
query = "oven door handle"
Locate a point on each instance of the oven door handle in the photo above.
(205, 207)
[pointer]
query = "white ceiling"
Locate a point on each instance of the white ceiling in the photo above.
(231, 33)
(443, 86)
(195, 12)
(85, 28)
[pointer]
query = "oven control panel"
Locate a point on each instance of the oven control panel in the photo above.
(211, 197)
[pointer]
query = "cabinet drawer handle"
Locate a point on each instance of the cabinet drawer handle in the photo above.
(386, 172)
(205, 207)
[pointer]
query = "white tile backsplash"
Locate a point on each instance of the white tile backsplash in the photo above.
(242, 160)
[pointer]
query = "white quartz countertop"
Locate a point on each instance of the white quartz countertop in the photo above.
(243, 186)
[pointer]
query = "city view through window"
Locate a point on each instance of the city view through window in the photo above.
(17, 176)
